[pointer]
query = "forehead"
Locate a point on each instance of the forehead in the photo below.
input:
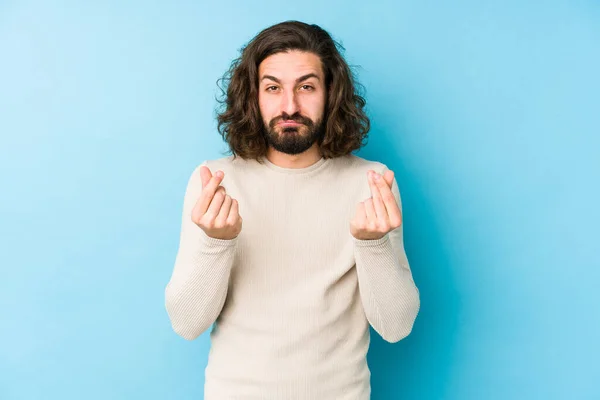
(290, 65)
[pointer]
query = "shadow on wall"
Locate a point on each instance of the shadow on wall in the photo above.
(417, 367)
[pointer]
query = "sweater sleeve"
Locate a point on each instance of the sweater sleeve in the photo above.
(389, 295)
(196, 291)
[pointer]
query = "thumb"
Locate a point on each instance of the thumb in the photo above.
(205, 175)
(388, 176)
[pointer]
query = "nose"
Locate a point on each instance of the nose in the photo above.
(289, 103)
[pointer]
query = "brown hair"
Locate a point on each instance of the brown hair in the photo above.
(345, 123)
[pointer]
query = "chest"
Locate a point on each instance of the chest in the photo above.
(295, 213)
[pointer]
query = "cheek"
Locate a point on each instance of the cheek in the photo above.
(315, 107)
(261, 104)
(265, 107)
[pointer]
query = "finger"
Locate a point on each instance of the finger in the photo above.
(370, 210)
(380, 210)
(359, 216)
(234, 212)
(360, 210)
(224, 211)
(208, 193)
(215, 204)
(388, 176)
(389, 200)
(205, 175)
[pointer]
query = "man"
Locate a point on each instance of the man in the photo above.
(292, 287)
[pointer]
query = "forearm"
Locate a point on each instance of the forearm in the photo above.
(196, 292)
(197, 289)
(389, 295)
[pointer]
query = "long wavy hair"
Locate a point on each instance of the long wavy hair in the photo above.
(345, 122)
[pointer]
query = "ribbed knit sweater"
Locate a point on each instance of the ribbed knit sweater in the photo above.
(290, 299)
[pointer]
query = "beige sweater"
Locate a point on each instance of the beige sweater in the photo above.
(292, 296)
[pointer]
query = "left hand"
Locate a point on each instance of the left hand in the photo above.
(379, 214)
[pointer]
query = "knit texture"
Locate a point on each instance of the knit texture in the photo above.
(290, 299)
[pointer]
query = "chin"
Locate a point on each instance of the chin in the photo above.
(294, 130)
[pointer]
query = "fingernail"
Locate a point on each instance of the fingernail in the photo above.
(377, 176)
(219, 174)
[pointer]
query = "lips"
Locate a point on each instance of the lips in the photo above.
(289, 123)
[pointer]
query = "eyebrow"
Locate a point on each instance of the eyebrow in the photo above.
(302, 78)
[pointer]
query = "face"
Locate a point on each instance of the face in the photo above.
(291, 98)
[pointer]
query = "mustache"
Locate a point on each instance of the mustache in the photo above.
(296, 118)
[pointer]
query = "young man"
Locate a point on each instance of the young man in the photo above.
(292, 288)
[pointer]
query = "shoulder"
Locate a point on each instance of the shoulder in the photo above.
(217, 163)
(225, 164)
(359, 164)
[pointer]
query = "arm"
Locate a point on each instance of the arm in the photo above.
(196, 292)
(389, 295)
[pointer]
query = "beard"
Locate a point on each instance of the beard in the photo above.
(296, 139)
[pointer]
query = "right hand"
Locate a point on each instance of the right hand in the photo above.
(215, 212)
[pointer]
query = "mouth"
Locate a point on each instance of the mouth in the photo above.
(287, 124)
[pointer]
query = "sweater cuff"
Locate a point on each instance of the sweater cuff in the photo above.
(372, 242)
(214, 242)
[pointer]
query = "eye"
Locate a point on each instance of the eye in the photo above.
(270, 88)
(307, 87)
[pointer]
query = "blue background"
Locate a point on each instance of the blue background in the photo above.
(488, 112)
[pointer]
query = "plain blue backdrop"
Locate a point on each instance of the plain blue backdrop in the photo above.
(488, 112)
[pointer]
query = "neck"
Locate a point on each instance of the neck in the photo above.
(302, 160)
